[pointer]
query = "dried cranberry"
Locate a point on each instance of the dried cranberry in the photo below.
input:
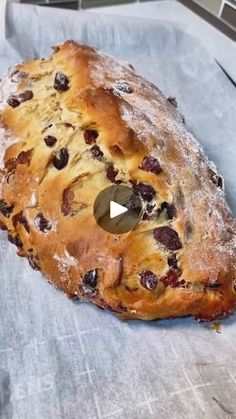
(61, 161)
(148, 280)
(50, 141)
(173, 101)
(42, 223)
(168, 237)
(172, 279)
(217, 180)
(90, 283)
(27, 95)
(220, 182)
(61, 82)
(15, 240)
(18, 75)
(170, 210)
(21, 219)
(96, 152)
(90, 278)
(90, 136)
(33, 260)
(111, 174)
(11, 165)
(151, 164)
(5, 209)
(3, 227)
(173, 262)
(13, 101)
(145, 191)
(214, 286)
(123, 86)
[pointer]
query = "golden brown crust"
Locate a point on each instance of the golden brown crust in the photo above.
(64, 122)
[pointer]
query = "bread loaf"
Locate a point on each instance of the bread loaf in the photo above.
(75, 123)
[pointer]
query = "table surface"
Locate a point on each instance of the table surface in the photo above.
(219, 45)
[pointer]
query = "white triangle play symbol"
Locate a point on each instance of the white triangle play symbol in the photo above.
(116, 209)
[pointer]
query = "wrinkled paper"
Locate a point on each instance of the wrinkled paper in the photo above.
(61, 359)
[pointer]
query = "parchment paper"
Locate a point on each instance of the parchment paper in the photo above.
(60, 359)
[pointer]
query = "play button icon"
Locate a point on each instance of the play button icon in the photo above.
(117, 209)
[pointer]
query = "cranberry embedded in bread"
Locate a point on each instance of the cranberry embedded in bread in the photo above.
(78, 122)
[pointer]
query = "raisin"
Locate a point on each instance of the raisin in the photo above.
(168, 237)
(11, 164)
(42, 223)
(96, 152)
(13, 101)
(151, 164)
(67, 200)
(16, 100)
(170, 210)
(61, 82)
(148, 280)
(50, 141)
(123, 86)
(90, 136)
(173, 101)
(5, 209)
(172, 279)
(173, 262)
(61, 161)
(90, 283)
(33, 260)
(15, 240)
(21, 219)
(146, 192)
(90, 278)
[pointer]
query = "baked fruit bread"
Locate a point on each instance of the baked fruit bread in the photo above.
(78, 122)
